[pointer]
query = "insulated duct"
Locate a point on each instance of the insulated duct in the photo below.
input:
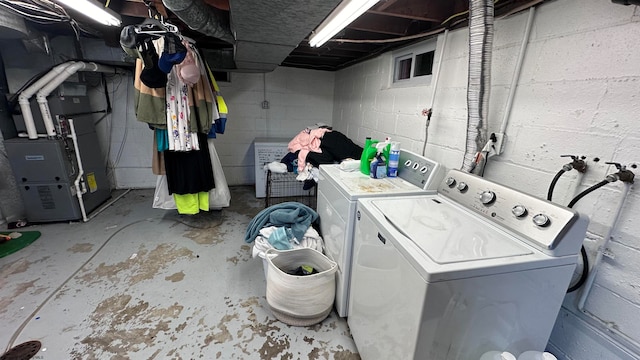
(201, 17)
(479, 81)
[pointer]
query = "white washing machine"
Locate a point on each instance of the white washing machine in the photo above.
(474, 268)
(338, 193)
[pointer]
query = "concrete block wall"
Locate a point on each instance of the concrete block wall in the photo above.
(297, 98)
(578, 93)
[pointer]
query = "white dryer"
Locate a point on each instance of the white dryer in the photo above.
(474, 268)
(338, 193)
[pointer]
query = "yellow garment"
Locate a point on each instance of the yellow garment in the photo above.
(222, 106)
(191, 204)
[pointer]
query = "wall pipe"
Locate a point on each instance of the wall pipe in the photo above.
(433, 92)
(59, 79)
(26, 94)
(517, 71)
(624, 339)
(600, 254)
(76, 182)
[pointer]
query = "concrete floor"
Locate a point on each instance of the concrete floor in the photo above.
(141, 283)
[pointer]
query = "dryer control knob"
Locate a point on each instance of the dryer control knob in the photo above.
(451, 182)
(541, 220)
(463, 187)
(519, 211)
(487, 197)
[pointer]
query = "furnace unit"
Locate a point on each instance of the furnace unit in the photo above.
(46, 169)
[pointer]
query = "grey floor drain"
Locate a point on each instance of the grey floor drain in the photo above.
(24, 351)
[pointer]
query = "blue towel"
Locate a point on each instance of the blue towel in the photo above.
(291, 214)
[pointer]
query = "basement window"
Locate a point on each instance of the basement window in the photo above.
(413, 66)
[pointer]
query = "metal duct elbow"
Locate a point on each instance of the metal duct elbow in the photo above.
(479, 81)
(201, 17)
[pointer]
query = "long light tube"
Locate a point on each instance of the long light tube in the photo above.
(93, 10)
(343, 15)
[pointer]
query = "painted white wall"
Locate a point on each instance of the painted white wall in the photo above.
(578, 93)
(297, 98)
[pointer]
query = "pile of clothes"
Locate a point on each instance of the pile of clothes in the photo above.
(313, 146)
(283, 226)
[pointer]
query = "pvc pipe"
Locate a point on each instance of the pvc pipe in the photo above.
(56, 81)
(600, 254)
(516, 73)
(76, 183)
(26, 94)
(109, 204)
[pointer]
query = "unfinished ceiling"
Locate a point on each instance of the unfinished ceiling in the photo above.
(276, 32)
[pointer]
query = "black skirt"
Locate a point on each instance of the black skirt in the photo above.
(189, 172)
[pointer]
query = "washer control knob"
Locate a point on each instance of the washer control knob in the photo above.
(415, 166)
(519, 211)
(451, 182)
(424, 169)
(407, 163)
(462, 187)
(541, 220)
(487, 197)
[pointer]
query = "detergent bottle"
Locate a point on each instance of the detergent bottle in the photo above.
(394, 158)
(368, 153)
(378, 168)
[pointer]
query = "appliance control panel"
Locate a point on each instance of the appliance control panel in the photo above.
(418, 170)
(541, 221)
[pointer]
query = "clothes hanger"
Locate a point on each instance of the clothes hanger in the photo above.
(155, 24)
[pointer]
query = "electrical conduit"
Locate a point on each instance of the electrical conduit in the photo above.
(434, 90)
(516, 73)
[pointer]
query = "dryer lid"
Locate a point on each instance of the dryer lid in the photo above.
(446, 233)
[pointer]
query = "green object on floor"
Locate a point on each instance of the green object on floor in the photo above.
(10, 246)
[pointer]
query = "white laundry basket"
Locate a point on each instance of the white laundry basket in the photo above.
(300, 300)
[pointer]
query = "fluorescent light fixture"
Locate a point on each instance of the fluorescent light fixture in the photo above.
(343, 15)
(94, 10)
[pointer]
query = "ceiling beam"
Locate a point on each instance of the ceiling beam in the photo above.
(406, 16)
(381, 24)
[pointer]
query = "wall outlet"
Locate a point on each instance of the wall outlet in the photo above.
(498, 145)
(265, 104)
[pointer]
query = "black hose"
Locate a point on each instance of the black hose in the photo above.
(583, 251)
(585, 271)
(587, 191)
(553, 184)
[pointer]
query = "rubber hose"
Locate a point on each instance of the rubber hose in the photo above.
(585, 271)
(553, 184)
(583, 251)
(586, 192)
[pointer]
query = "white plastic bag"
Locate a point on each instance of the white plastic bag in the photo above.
(161, 197)
(219, 196)
(300, 300)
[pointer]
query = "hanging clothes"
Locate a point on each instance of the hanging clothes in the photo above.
(181, 137)
(189, 172)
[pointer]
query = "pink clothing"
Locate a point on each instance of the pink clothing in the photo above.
(306, 141)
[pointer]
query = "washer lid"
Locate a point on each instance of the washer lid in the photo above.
(448, 234)
(357, 184)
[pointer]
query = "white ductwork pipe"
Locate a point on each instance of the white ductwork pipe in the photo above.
(56, 81)
(26, 94)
